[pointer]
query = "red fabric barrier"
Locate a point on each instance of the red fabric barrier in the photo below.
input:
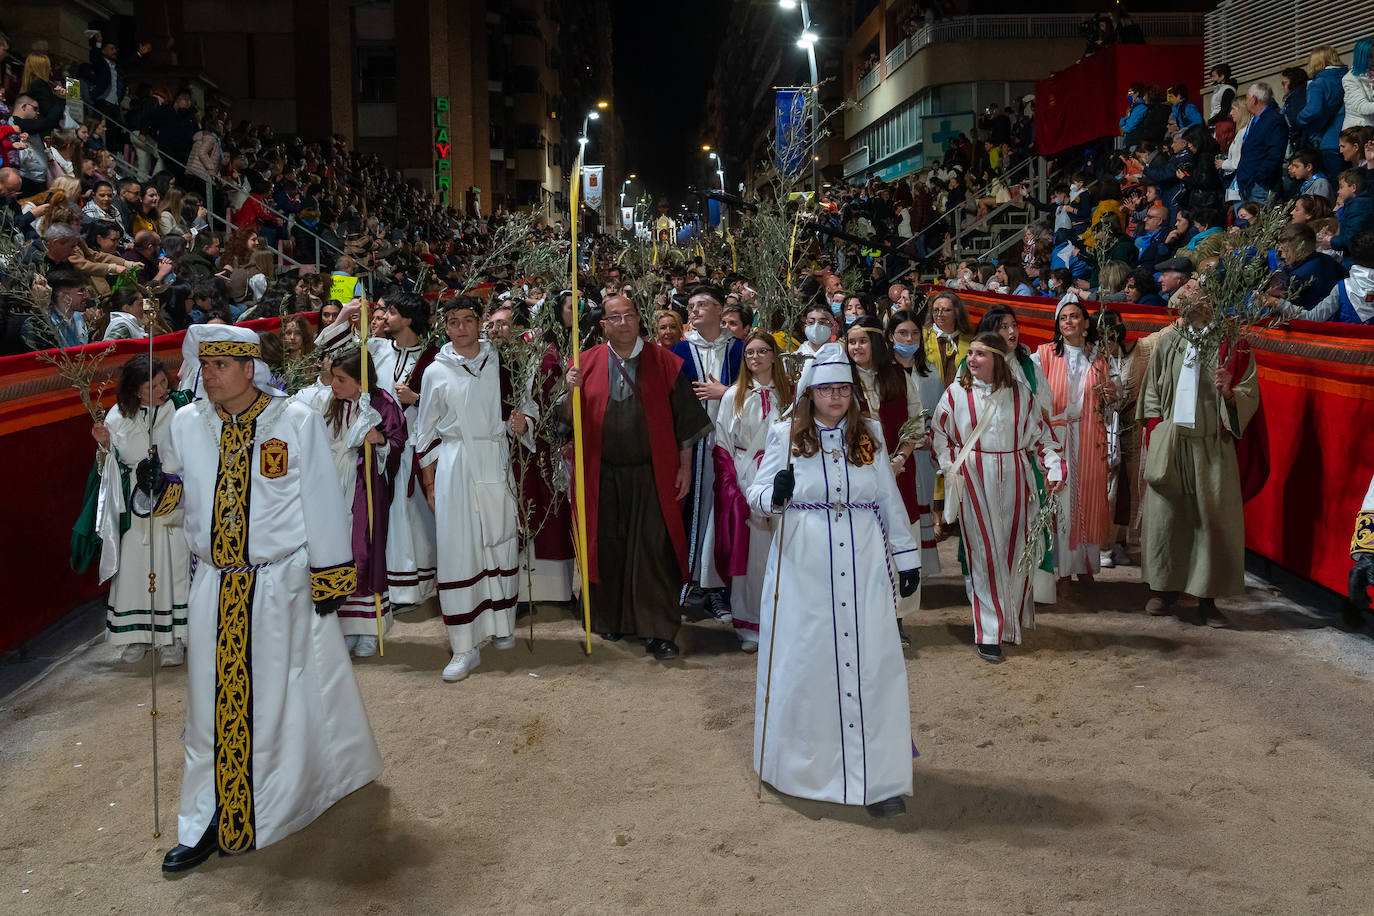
(46, 451)
(1086, 101)
(1317, 386)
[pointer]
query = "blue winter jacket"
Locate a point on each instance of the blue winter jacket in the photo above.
(1134, 121)
(1355, 217)
(1321, 117)
(1186, 114)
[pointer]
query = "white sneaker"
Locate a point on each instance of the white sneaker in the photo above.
(503, 642)
(462, 665)
(1105, 556)
(1120, 557)
(749, 646)
(134, 653)
(366, 647)
(174, 655)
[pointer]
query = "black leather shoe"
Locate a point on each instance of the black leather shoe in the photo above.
(182, 858)
(902, 634)
(613, 637)
(990, 652)
(662, 649)
(888, 807)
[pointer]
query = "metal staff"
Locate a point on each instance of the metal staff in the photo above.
(579, 468)
(152, 575)
(367, 468)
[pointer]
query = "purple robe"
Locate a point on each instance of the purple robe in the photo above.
(369, 554)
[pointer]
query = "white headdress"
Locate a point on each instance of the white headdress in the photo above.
(831, 366)
(224, 340)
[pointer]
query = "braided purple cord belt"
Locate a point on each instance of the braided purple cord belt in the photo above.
(872, 507)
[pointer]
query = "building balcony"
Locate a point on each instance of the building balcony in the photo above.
(1035, 27)
(971, 49)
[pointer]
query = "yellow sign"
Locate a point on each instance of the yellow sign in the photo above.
(341, 288)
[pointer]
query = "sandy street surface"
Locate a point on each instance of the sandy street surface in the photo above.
(1116, 763)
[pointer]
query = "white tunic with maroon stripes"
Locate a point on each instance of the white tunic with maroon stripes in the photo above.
(999, 498)
(461, 432)
(839, 719)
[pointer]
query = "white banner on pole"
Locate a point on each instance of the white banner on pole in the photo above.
(592, 186)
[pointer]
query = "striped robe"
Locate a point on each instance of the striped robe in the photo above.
(998, 500)
(1075, 379)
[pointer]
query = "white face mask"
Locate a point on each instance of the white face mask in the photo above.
(817, 334)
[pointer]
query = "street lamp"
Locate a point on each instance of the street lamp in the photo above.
(807, 41)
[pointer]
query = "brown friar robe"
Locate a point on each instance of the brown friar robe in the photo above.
(636, 421)
(1192, 535)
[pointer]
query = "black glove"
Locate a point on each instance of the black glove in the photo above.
(328, 606)
(1361, 577)
(783, 483)
(149, 475)
(908, 581)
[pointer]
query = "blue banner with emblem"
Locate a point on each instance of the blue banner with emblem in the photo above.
(789, 144)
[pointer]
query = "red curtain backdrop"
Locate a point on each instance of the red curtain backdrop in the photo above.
(1317, 386)
(1087, 101)
(46, 451)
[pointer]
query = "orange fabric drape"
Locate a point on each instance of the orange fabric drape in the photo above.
(1091, 514)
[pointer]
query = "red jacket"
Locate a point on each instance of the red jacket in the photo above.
(254, 213)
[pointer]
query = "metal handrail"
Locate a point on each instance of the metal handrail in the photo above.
(130, 168)
(1028, 160)
(216, 179)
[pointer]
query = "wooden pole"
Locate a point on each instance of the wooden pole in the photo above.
(363, 325)
(579, 467)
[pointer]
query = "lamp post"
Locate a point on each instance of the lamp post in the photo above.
(593, 115)
(808, 41)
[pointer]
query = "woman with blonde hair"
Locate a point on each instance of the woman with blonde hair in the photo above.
(64, 195)
(667, 328)
(747, 409)
(1322, 115)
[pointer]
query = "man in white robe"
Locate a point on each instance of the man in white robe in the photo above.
(461, 441)
(275, 727)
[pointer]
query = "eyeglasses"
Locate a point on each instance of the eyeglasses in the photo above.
(620, 319)
(833, 391)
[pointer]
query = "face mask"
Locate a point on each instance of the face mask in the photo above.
(835, 306)
(818, 334)
(850, 319)
(1241, 222)
(906, 351)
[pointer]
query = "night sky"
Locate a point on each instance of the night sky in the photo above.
(665, 55)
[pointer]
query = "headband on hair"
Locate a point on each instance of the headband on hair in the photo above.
(977, 345)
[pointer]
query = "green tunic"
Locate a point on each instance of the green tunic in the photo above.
(1192, 535)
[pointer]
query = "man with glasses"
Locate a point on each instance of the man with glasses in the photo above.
(61, 323)
(33, 157)
(640, 419)
(711, 360)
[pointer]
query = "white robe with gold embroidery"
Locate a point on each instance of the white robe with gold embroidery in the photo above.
(275, 727)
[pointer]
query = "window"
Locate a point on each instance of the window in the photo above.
(377, 73)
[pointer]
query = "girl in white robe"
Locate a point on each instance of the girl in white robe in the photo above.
(464, 450)
(741, 431)
(908, 351)
(998, 493)
(124, 435)
(832, 718)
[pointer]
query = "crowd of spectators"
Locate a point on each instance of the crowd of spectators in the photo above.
(1137, 222)
(133, 185)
